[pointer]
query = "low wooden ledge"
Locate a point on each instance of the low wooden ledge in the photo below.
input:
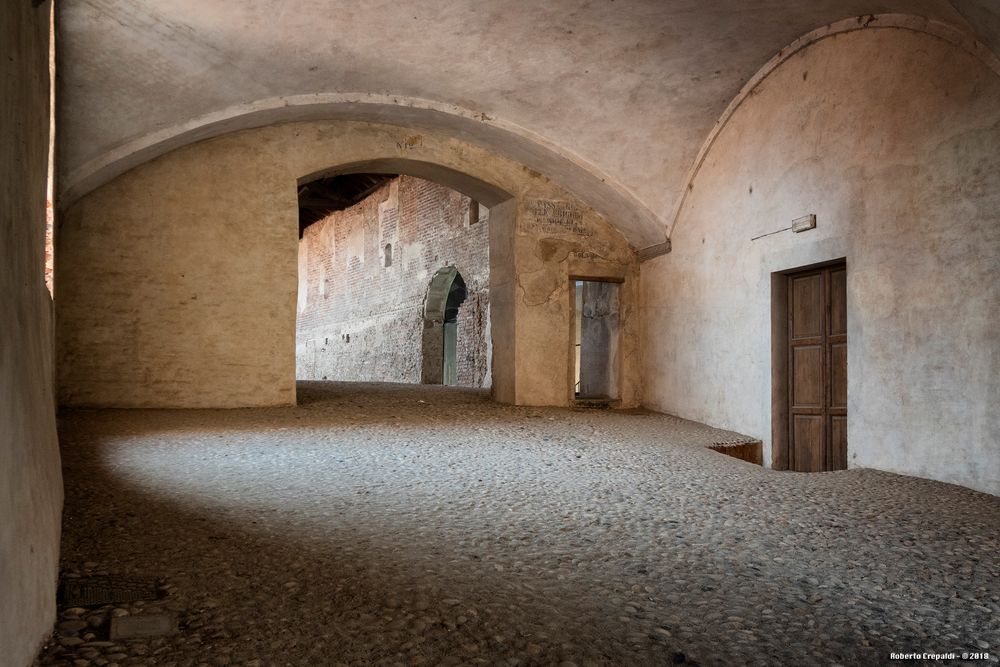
(751, 451)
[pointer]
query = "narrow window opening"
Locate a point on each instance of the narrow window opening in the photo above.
(387, 255)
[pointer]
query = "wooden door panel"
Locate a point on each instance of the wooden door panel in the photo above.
(817, 370)
(838, 301)
(838, 443)
(806, 300)
(838, 375)
(807, 376)
(807, 443)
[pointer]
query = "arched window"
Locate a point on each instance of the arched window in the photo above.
(388, 254)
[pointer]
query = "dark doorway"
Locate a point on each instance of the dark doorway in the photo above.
(445, 296)
(816, 369)
(456, 297)
(596, 328)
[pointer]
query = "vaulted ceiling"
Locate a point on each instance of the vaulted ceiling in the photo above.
(623, 90)
(321, 197)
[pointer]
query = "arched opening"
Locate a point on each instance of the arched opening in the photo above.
(375, 304)
(637, 222)
(456, 297)
(476, 189)
(243, 283)
(442, 338)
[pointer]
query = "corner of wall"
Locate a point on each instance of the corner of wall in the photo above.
(31, 492)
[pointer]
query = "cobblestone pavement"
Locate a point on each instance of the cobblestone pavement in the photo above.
(389, 524)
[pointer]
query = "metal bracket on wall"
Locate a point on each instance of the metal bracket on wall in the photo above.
(803, 224)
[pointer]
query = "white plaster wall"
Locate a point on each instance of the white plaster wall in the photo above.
(892, 138)
(30, 478)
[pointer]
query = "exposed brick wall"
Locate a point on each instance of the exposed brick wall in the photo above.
(361, 320)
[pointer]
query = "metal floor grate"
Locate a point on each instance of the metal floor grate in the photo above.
(91, 591)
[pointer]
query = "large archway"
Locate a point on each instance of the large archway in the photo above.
(635, 220)
(413, 255)
(378, 291)
(181, 275)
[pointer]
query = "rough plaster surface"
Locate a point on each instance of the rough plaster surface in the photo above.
(892, 138)
(178, 279)
(612, 100)
(984, 18)
(361, 320)
(170, 294)
(548, 257)
(30, 481)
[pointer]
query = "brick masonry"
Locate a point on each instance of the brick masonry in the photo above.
(359, 319)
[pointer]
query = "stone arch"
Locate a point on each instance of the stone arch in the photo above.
(440, 329)
(471, 186)
(259, 214)
(614, 200)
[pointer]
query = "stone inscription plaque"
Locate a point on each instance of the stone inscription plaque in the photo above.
(547, 217)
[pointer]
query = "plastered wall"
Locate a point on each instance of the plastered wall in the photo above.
(361, 320)
(554, 243)
(30, 478)
(892, 138)
(179, 277)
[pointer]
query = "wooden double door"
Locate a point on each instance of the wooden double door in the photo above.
(817, 369)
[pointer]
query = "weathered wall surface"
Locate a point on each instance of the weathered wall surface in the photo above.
(30, 478)
(359, 319)
(556, 241)
(892, 138)
(178, 279)
(174, 284)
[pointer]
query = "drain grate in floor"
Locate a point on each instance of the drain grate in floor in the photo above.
(91, 591)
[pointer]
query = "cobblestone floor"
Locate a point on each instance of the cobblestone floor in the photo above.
(387, 524)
